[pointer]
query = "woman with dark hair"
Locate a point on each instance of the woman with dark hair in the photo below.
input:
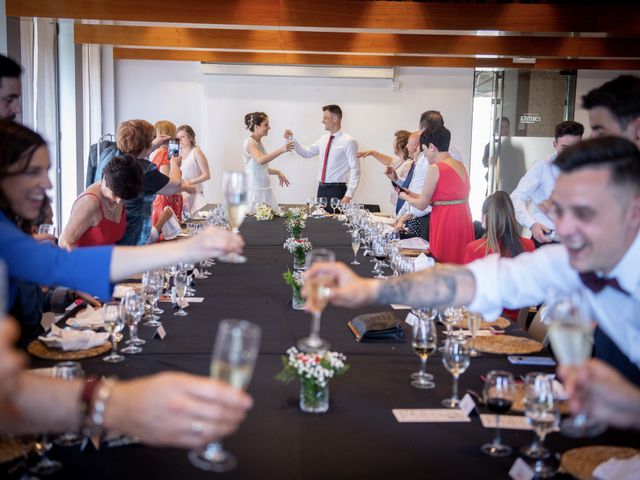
(98, 216)
(256, 162)
(502, 234)
(195, 168)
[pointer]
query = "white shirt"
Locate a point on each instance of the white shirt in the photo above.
(524, 280)
(343, 166)
(417, 181)
(535, 187)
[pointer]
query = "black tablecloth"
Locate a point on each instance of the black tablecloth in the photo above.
(358, 438)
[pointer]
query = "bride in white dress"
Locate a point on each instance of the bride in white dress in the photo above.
(256, 162)
(194, 167)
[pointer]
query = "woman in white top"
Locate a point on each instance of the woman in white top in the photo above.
(256, 162)
(195, 168)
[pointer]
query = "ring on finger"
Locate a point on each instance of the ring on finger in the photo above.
(197, 427)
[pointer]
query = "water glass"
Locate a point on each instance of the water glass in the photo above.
(455, 358)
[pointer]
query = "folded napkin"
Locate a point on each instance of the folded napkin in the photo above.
(384, 220)
(89, 318)
(69, 340)
(120, 291)
(618, 469)
(377, 327)
(422, 262)
(414, 243)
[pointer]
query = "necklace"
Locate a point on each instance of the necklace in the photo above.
(109, 207)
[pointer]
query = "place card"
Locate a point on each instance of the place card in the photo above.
(397, 306)
(429, 415)
(509, 422)
(467, 404)
(160, 333)
(411, 319)
(521, 470)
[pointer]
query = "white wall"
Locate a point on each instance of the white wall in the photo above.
(215, 107)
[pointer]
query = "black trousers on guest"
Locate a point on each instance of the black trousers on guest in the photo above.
(330, 190)
(607, 351)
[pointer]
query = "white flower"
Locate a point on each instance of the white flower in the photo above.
(264, 212)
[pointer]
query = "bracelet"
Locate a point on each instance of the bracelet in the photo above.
(94, 416)
(89, 387)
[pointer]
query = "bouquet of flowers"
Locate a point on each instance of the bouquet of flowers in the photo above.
(299, 248)
(294, 280)
(314, 371)
(295, 221)
(264, 212)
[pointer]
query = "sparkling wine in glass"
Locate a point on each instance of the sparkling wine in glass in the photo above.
(543, 414)
(455, 358)
(571, 336)
(113, 323)
(234, 356)
(319, 290)
(499, 393)
(234, 187)
(355, 246)
(424, 343)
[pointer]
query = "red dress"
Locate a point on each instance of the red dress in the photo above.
(106, 232)
(160, 159)
(477, 249)
(451, 225)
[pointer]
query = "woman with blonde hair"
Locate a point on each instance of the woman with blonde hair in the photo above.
(502, 234)
(195, 168)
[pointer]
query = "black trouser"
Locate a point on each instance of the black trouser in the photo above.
(331, 190)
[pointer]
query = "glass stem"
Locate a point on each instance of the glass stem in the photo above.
(315, 325)
(454, 394)
(114, 345)
(497, 440)
(423, 366)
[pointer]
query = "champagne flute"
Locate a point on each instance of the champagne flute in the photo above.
(542, 413)
(233, 359)
(180, 281)
(134, 309)
(68, 371)
(319, 290)
(152, 285)
(499, 392)
(455, 359)
(113, 323)
(234, 186)
(334, 204)
(571, 336)
(424, 343)
(355, 245)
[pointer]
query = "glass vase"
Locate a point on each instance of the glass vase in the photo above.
(313, 397)
(299, 260)
(297, 302)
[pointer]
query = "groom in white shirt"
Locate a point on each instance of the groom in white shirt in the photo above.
(339, 169)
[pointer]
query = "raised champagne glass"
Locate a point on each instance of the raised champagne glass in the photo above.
(234, 187)
(234, 356)
(318, 292)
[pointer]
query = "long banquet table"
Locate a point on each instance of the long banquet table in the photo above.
(358, 438)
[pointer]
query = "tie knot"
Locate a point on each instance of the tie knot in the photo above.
(596, 284)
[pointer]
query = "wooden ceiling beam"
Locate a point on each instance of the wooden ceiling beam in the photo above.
(507, 17)
(365, 60)
(189, 38)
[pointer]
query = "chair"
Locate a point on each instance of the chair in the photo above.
(538, 330)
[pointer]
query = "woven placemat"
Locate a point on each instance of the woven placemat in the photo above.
(413, 252)
(518, 403)
(501, 323)
(40, 350)
(507, 345)
(11, 449)
(581, 462)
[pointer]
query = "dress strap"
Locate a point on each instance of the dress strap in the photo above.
(97, 199)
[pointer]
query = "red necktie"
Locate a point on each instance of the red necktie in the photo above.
(326, 157)
(596, 284)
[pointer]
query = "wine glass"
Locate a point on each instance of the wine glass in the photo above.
(311, 201)
(334, 204)
(473, 322)
(498, 393)
(233, 359)
(424, 343)
(134, 308)
(180, 280)
(113, 323)
(47, 229)
(68, 371)
(322, 206)
(152, 287)
(355, 245)
(455, 359)
(380, 250)
(319, 290)
(542, 413)
(234, 187)
(571, 336)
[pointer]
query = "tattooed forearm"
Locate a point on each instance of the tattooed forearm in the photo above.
(439, 287)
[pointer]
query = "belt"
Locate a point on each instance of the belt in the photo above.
(336, 184)
(448, 202)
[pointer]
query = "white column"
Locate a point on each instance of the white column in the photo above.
(3, 27)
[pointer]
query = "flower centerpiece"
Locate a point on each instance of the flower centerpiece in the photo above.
(299, 248)
(264, 213)
(314, 371)
(295, 221)
(294, 280)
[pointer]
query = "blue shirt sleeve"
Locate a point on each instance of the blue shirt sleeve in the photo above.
(86, 269)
